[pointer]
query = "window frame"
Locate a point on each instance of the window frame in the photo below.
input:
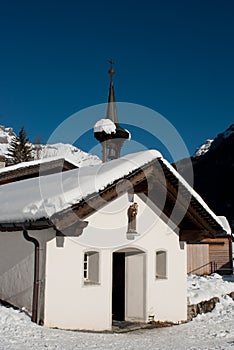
(91, 267)
(164, 275)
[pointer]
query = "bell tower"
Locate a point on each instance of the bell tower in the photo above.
(108, 131)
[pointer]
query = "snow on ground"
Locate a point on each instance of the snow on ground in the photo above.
(205, 287)
(210, 331)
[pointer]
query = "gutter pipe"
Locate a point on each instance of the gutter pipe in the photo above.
(36, 274)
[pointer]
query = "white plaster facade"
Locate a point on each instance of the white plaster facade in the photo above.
(67, 301)
(16, 272)
(17, 268)
(72, 304)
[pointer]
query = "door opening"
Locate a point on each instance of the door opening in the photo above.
(118, 287)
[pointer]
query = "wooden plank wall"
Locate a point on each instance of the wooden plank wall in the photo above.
(197, 257)
(221, 254)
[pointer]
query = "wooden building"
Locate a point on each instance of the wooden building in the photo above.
(34, 168)
(210, 255)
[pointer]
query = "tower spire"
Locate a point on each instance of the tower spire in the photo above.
(111, 112)
(108, 131)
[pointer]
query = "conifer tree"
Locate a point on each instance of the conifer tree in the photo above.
(19, 149)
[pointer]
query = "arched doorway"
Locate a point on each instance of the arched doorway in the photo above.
(129, 285)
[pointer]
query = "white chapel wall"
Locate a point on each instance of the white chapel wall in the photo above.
(71, 304)
(166, 299)
(16, 269)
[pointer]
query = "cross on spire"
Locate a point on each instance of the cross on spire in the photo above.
(111, 63)
(111, 70)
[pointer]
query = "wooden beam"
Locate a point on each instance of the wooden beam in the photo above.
(28, 225)
(99, 200)
(74, 230)
(193, 235)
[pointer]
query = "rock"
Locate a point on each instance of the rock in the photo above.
(201, 308)
(231, 295)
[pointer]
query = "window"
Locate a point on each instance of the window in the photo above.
(161, 264)
(86, 261)
(91, 267)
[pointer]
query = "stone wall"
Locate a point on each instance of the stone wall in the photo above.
(204, 306)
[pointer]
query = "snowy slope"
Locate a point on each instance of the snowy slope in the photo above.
(203, 148)
(213, 173)
(205, 287)
(212, 144)
(211, 331)
(228, 132)
(72, 153)
(6, 136)
(69, 152)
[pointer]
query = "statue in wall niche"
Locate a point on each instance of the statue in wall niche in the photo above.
(132, 213)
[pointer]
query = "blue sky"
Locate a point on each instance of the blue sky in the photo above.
(175, 57)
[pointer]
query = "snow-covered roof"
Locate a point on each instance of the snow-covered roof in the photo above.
(225, 224)
(36, 198)
(32, 163)
(105, 125)
(193, 192)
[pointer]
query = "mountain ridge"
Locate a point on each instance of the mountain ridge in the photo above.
(70, 152)
(214, 174)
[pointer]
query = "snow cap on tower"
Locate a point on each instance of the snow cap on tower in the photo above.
(108, 131)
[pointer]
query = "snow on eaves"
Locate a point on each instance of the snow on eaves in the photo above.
(225, 224)
(193, 193)
(32, 163)
(105, 125)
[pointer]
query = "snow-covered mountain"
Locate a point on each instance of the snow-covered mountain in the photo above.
(203, 148)
(70, 152)
(214, 173)
(211, 145)
(6, 136)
